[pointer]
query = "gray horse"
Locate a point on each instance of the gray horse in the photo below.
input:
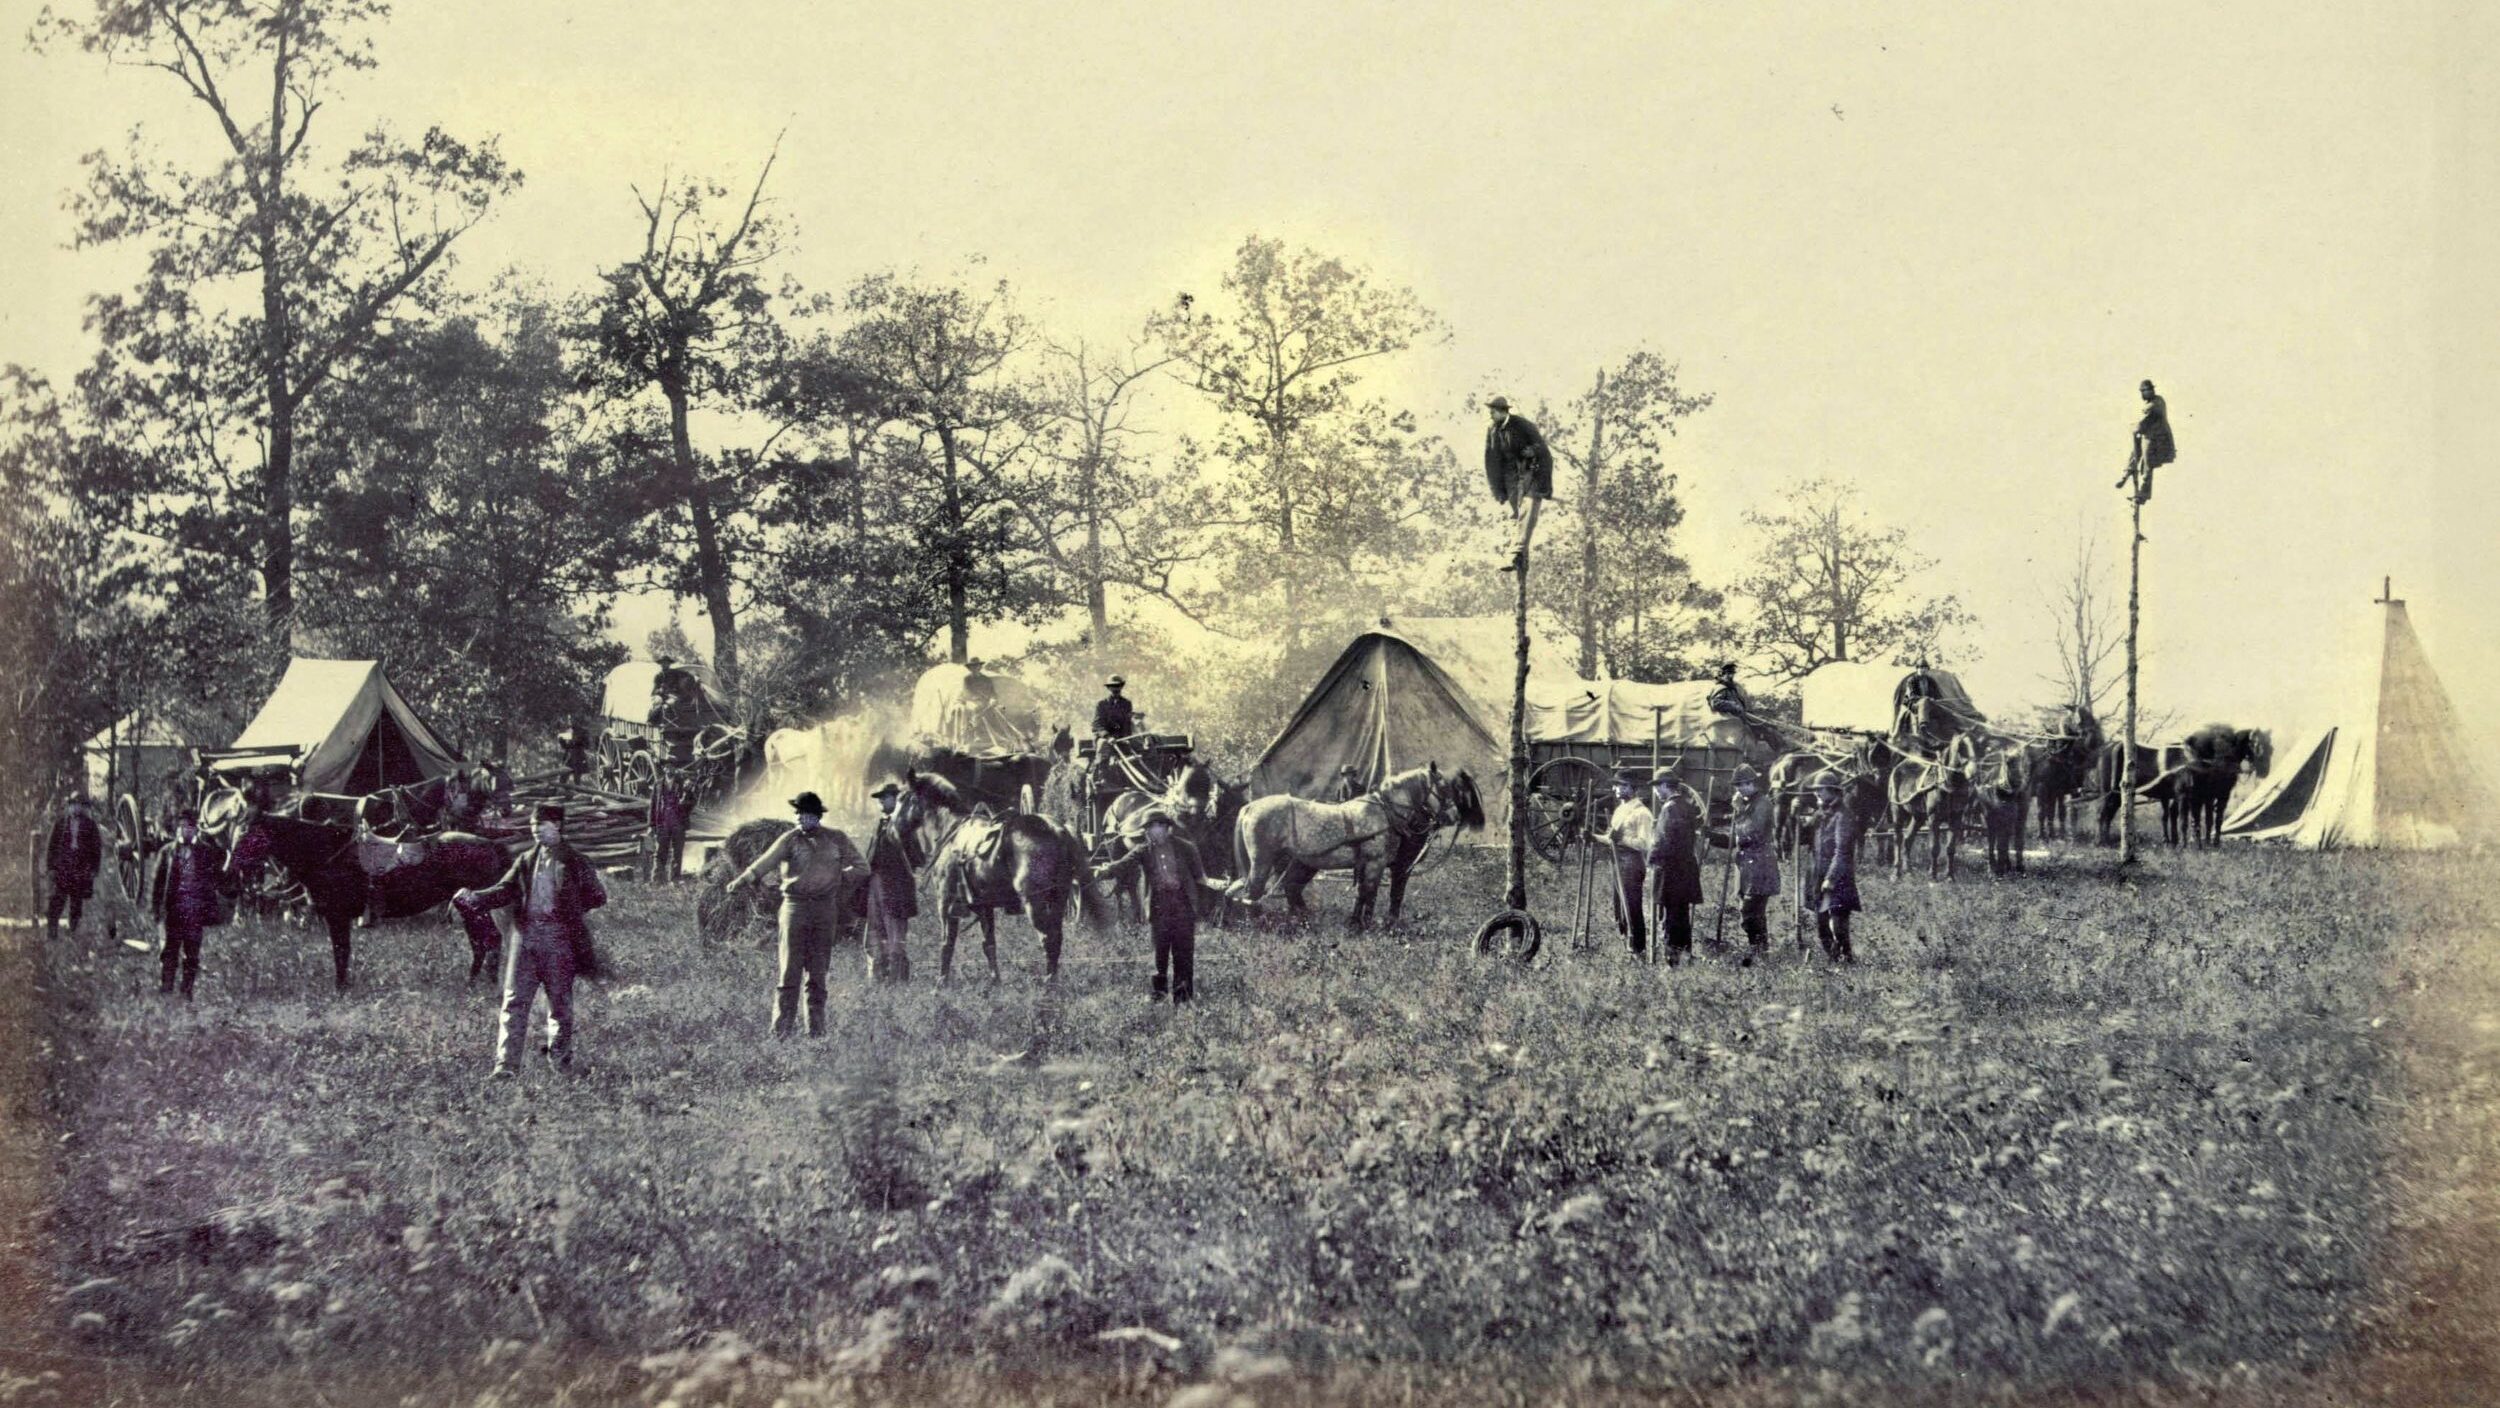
(1286, 840)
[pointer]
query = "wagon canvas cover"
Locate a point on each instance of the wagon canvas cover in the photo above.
(1863, 697)
(356, 733)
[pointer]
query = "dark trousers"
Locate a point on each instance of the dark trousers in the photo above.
(1675, 919)
(1630, 873)
(72, 895)
(668, 857)
(182, 951)
(1757, 917)
(1833, 929)
(1176, 952)
(807, 934)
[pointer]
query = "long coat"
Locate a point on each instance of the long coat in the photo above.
(578, 892)
(2154, 430)
(1835, 863)
(1167, 911)
(1515, 448)
(892, 857)
(73, 853)
(1674, 851)
(190, 881)
(1753, 835)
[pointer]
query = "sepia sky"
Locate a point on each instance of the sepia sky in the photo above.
(1930, 248)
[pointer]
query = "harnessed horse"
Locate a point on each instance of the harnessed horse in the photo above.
(1286, 840)
(1016, 862)
(324, 859)
(1203, 807)
(1934, 794)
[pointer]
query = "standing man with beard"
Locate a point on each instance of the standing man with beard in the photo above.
(555, 888)
(819, 869)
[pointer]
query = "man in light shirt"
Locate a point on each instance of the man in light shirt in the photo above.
(820, 871)
(1628, 836)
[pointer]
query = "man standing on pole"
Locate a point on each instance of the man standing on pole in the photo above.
(1520, 469)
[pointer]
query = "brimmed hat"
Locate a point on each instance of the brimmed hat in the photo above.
(664, 659)
(1663, 776)
(548, 811)
(972, 662)
(809, 803)
(888, 788)
(1151, 815)
(1115, 682)
(1630, 777)
(1825, 781)
(1498, 403)
(1745, 773)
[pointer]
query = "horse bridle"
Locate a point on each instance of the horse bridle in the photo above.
(1401, 816)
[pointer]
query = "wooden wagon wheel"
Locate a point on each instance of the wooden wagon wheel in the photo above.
(1565, 797)
(130, 847)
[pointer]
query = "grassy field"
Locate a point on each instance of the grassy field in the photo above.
(2213, 1137)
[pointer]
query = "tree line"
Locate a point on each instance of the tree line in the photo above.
(299, 432)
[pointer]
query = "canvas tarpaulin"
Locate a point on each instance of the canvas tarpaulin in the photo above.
(356, 735)
(2393, 771)
(944, 711)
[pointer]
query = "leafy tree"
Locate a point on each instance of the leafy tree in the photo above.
(1620, 523)
(1831, 583)
(463, 531)
(270, 272)
(957, 458)
(692, 319)
(1318, 481)
(1110, 516)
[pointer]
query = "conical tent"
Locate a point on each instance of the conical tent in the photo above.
(2393, 771)
(346, 730)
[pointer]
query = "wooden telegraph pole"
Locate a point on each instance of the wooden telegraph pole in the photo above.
(2135, 567)
(1512, 929)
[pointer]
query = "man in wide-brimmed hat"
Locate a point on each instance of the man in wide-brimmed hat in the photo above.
(1674, 857)
(1520, 469)
(554, 887)
(1751, 831)
(1628, 839)
(893, 854)
(820, 869)
(1174, 879)
(1114, 715)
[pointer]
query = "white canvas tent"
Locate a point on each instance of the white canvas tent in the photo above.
(138, 754)
(1865, 697)
(2391, 771)
(344, 728)
(1437, 689)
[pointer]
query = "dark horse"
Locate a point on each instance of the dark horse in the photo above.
(2062, 764)
(2152, 766)
(2002, 781)
(1017, 861)
(2216, 753)
(1008, 781)
(1203, 807)
(325, 860)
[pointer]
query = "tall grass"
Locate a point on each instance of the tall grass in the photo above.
(2051, 1133)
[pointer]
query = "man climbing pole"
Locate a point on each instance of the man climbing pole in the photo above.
(2153, 445)
(1520, 468)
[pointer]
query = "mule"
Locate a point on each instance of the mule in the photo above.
(1285, 840)
(1935, 795)
(2002, 787)
(1021, 862)
(324, 859)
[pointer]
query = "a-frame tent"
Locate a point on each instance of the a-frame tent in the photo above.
(2392, 771)
(344, 728)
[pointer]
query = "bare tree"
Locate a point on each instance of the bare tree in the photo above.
(2090, 628)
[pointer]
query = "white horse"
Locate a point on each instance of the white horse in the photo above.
(1286, 840)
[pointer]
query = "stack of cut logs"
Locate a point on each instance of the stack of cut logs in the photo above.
(612, 829)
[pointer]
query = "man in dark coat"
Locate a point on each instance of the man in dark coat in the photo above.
(188, 898)
(2153, 446)
(893, 855)
(1832, 885)
(576, 740)
(555, 887)
(72, 855)
(1674, 860)
(1751, 833)
(672, 807)
(1349, 784)
(1519, 467)
(1114, 715)
(1175, 877)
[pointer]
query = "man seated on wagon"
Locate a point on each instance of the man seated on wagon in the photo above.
(1114, 715)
